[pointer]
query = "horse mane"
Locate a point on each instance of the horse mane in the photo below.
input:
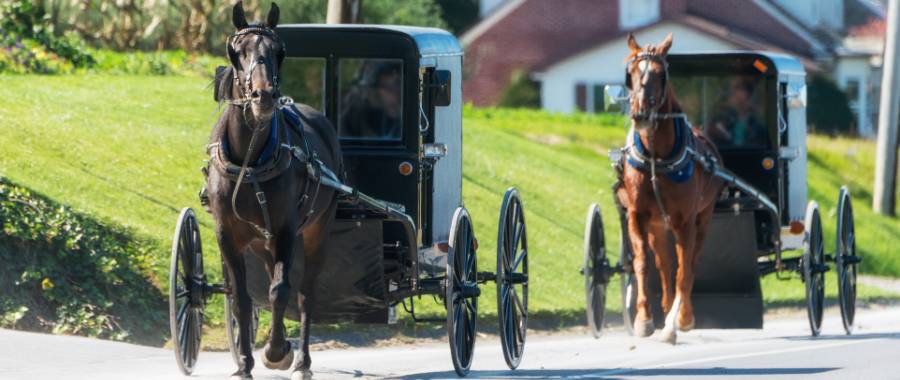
(223, 84)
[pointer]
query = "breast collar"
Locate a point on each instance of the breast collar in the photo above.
(276, 157)
(677, 166)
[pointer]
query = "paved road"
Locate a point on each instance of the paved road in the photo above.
(782, 350)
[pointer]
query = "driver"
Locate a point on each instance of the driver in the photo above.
(737, 123)
(371, 108)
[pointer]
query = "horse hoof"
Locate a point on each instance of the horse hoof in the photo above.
(282, 364)
(686, 326)
(668, 336)
(643, 329)
(301, 374)
(238, 376)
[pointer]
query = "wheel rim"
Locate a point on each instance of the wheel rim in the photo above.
(594, 264)
(627, 280)
(512, 260)
(462, 311)
(813, 258)
(846, 266)
(185, 299)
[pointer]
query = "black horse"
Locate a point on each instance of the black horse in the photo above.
(265, 190)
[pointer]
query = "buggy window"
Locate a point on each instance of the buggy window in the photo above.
(371, 99)
(731, 109)
(303, 79)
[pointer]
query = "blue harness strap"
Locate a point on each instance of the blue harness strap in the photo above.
(681, 172)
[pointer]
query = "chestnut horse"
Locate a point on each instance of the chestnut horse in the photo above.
(265, 190)
(663, 190)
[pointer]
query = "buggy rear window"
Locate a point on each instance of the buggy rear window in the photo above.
(371, 99)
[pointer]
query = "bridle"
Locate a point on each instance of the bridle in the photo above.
(653, 115)
(245, 87)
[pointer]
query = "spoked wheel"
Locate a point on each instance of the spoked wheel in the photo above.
(814, 268)
(462, 292)
(512, 278)
(627, 280)
(846, 260)
(595, 271)
(186, 288)
(232, 330)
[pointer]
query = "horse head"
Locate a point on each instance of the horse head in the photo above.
(647, 76)
(256, 54)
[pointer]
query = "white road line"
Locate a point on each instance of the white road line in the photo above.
(723, 357)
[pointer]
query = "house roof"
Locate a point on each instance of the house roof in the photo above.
(536, 34)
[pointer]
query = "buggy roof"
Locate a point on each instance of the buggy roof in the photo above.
(784, 64)
(430, 42)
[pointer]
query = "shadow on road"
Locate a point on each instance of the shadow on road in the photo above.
(838, 337)
(612, 373)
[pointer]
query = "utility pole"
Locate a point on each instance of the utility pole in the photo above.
(343, 11)
(888, 115)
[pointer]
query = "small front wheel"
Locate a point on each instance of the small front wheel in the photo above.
(814, 268)
(186, 291)
(596, 270)
(512, 278)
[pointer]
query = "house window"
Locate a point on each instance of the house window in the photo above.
(637, 13)
(589, 97)
(852, 89)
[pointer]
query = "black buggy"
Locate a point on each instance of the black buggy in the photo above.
(752, 105)
(401, 231)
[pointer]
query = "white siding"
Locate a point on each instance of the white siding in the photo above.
(858, 69)
(637, 13)
(605, 64)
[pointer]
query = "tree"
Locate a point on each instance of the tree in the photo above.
(522, 92)
(828, 109)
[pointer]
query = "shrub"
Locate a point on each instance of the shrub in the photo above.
(828, 110)
(68, 273)
(522, 92)
(25, 23)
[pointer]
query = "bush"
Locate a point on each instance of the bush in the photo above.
(156, 63)
(24, 24)
(828, 109)
(67, 273)
(522, 92)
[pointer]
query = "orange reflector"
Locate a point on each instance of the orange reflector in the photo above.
(768, 163)
(759, 65)
(406, 168)
(797, 227)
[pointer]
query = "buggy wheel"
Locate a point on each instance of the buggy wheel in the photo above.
(627, 281)
(512, 278)
(461, 292)
(596, 270)
(846, 260)
(186, 291)
(814, 268)
(232, 331)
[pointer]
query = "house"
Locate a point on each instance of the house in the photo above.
(572, 48)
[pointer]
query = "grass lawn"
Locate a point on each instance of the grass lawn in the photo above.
(127, 150)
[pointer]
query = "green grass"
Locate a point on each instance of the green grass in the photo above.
(127, 149)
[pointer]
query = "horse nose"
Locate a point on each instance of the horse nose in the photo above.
(260, 92)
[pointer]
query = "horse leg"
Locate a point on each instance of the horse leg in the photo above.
(684, 281)
(234, 262)
(659, 243)
(278, 353)
(302, 363)
(686, 317)
(643, 320)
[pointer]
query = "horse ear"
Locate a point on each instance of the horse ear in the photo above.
(272, 19)
(632, 43)
(237, 16)
(665, 45)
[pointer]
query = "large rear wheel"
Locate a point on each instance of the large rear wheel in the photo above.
(846, 260)
(186, 291)
(232, 330)
(814, 268)
(512, 278)
(627, 280)
(462, 292)
(595, 270)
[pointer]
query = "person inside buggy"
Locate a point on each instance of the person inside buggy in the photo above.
(737, 119)
(371, 102)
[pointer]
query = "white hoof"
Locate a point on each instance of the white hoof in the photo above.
(282, 364)
(643, 329)
(301, 374)
(668, 336)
